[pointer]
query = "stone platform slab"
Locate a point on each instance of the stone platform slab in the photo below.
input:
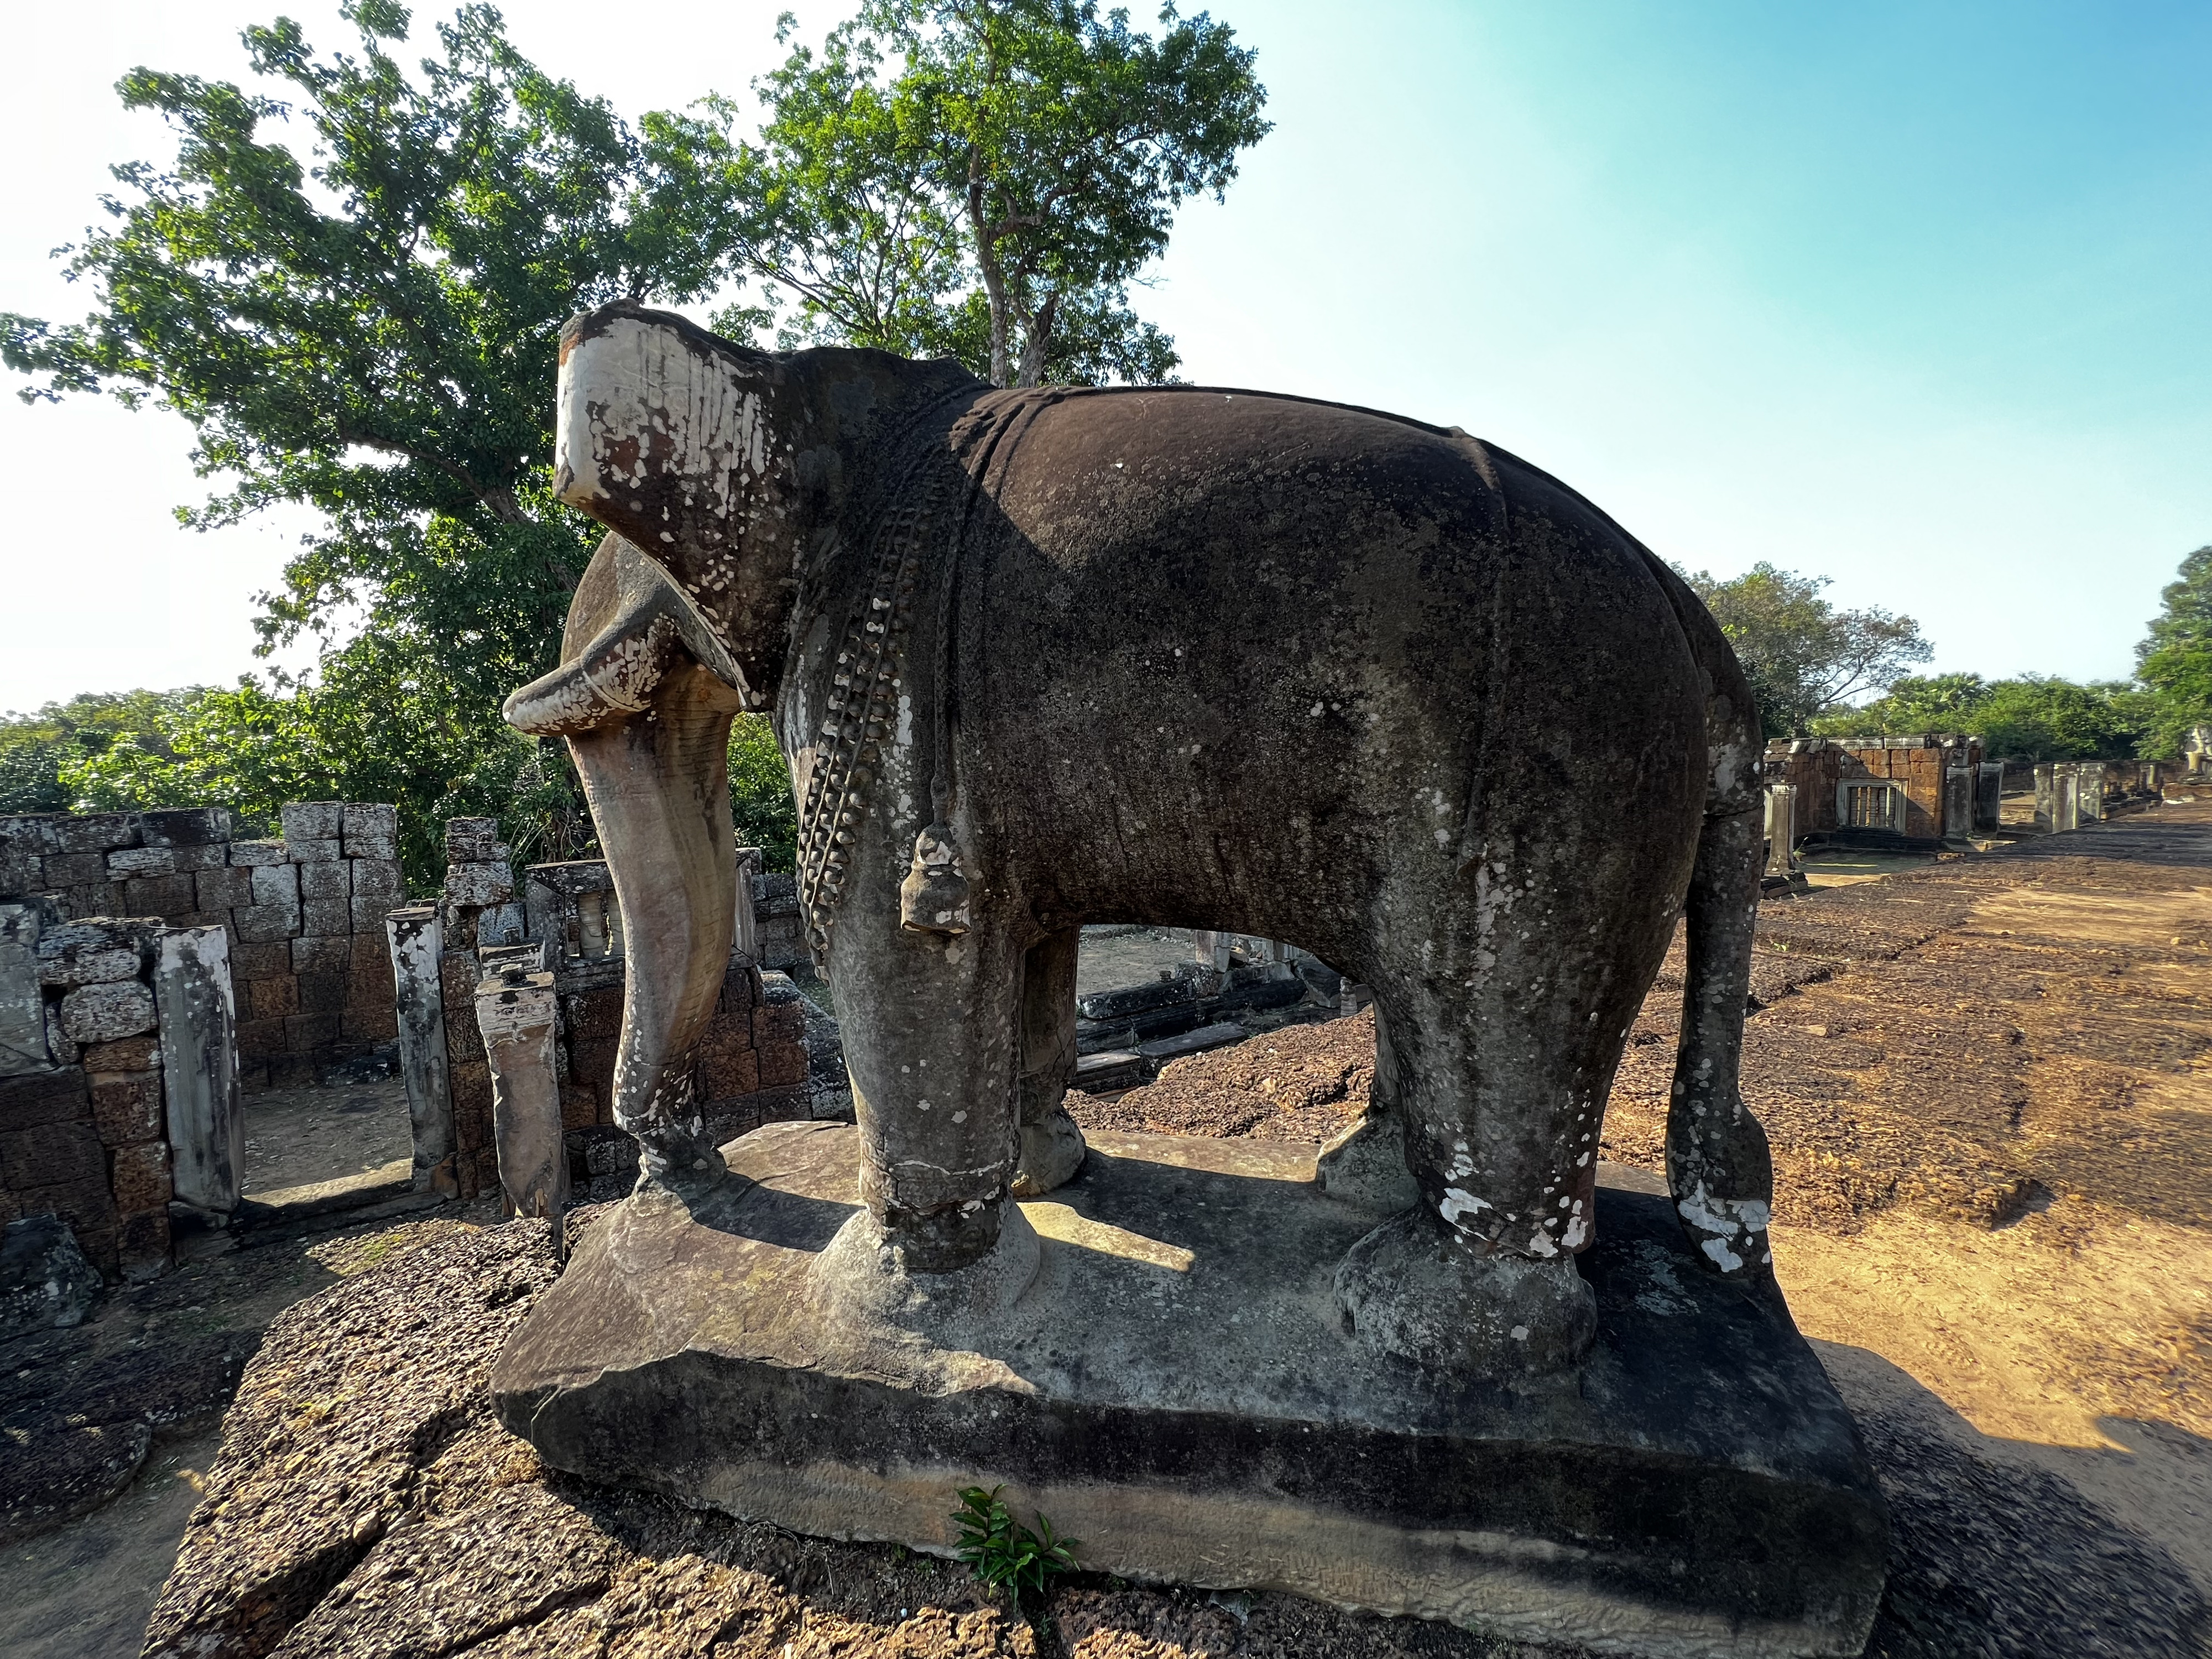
(1175, 1390)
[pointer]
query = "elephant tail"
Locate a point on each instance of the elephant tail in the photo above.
(1718, 1170)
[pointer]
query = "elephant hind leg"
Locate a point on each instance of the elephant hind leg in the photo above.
(1051, 1148)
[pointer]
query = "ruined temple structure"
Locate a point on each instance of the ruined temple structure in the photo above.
(1910, 792)
(303, 914)
(559, 926)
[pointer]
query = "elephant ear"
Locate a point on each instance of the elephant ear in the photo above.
(630, 625)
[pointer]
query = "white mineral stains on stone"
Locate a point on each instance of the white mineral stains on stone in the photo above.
(1458, 1202)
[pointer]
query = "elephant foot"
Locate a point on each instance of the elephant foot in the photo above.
(863, 1275)
(691, 1173)
(1365, 1167)
(1414, 1289)
(1052, 1152)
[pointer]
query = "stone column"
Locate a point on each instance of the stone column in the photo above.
(2089, 792)
(1958, 802)
(1989, 795)
(1781, 826)
(2066, 798)
(745, 938)
(1212, 949)
(2046, 798)
(417, 942)
(197, 1011)
(515, 1011)
(22, 1002)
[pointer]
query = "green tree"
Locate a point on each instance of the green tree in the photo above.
(1803, 655)
(2036, 717)
(994, 199)
(2175, 659)
(39, 750)
(366, 325)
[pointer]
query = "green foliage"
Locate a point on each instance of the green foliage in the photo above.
(1802, 654)
(994, 199)
(352, 287)
(761, 799)
(36, 749)
(1002, 1550)
(2175, 659)
(2034, 717)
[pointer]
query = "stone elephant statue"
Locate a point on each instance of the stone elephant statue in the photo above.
(1180, 656)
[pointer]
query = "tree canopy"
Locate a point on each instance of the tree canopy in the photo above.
(1803, 655)
(2038, 718)
(2175, 657)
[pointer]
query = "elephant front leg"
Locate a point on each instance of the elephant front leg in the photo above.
(1051, 1144)
(931, 1026)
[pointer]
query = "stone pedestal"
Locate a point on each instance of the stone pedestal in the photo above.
(1174, 1388)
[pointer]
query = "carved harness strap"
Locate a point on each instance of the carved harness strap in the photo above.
(930, 503)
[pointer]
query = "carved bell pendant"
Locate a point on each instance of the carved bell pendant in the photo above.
(933, 897)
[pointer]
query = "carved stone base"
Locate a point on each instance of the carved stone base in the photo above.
(1175, 1388)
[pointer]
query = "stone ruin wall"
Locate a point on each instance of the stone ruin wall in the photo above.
(754, 1063)
(1816, 766)
(303, 914)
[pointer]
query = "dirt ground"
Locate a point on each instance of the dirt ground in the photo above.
(1988, 1083)
(294, 1137)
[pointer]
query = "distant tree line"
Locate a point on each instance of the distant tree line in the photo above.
(1818, 672)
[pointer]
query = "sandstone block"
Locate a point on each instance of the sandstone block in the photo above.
(378, 879)
(220, 889)
(159, 895)
(142, 861)
(367, 914)
(205, 1122)
(457, 980)
(308, 1034)
(263, 961)
(368, 818)
(38, 1098)
(127, 1110)
(96, 832)
(325, 881)
(35, 833)
(59, 1044)
(272, 998)
(594, 1014)
(321, 954)
(22, 997)
(728, 1070)
(91, 951)
(20, 872)
(320, 994)
(259, 923)
(325, 918)
(213, 856)
(74, 869)
(380, 848)
(782, 1064)
(359, 1024)
(124, 1057)
(260, 1039)
(52, 1155)
(313, 849)
(479, 885)
(101, 1014)
(276, 883)
(778, 1022)
(311, 820)
(471, 840)
(141, 1177)
(189, 826)
(253, 854)
(95, 898)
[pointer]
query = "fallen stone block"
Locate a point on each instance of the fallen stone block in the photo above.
(1220, 1034)
(46, 1283)
(1110, 1071)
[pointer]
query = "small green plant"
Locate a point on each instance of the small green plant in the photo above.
(1004, 1552)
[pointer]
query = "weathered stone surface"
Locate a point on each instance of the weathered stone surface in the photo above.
(258, 923)
(311, 820)
(314, 850)
(276, 883)
(186, 826)
(101, 1014)
(22, 995)
(95, 832)
(46, 1283)
(1174, 1388)
(516, 1011)
(326, 918)
(256, 855)
(92, 952)
(471, 840)
(478, 884)
(368, 818)
(205, 1116)
(325, 881)
(142, 861)
(222, 888)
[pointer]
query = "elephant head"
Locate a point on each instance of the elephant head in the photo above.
(718, 470)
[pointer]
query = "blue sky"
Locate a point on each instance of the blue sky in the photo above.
(1913, 297)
